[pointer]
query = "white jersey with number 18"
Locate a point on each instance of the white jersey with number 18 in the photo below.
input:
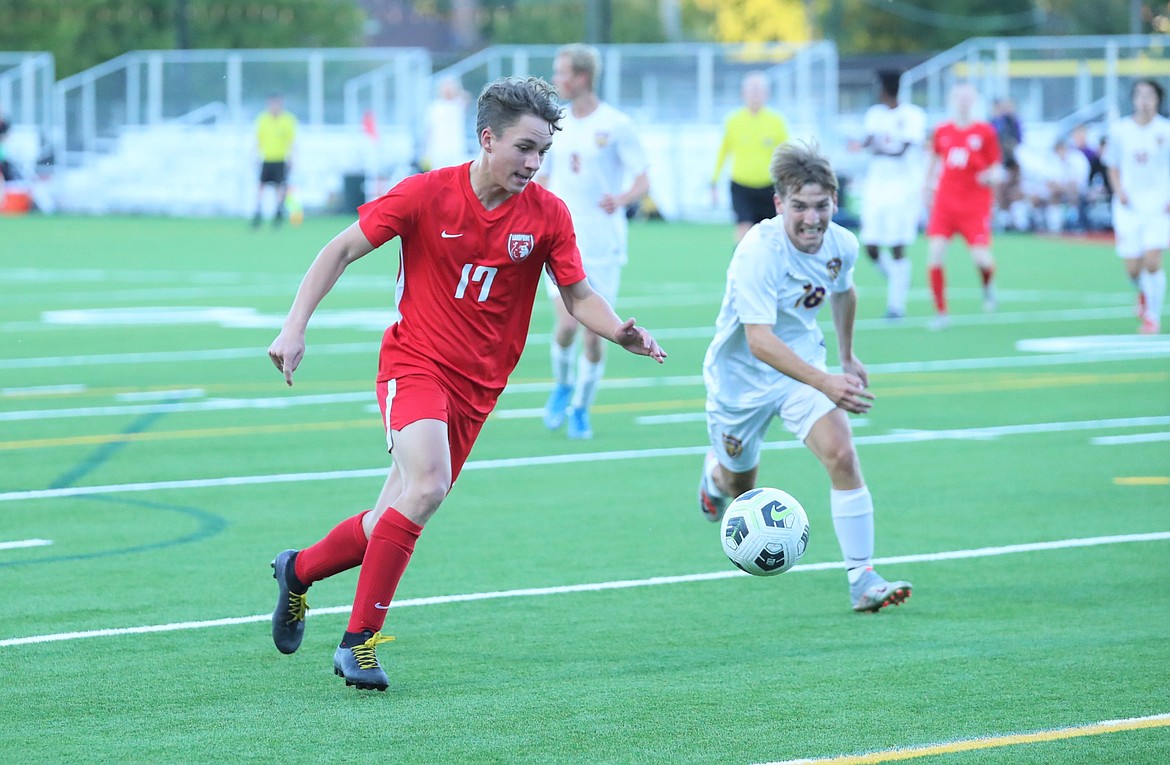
(771, 282)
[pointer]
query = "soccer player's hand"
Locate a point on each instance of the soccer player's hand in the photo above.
(848, 392)
(286, 353)
(853, 366)
(609, 203)
(637, 340)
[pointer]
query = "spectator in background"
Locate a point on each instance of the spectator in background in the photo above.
(1066, 184)
(1007, 127)
(750, 136)
(276, 130)
(446, 133)
(5, 167)
(1079, 138)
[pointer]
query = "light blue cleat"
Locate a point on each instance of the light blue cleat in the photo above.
(557, 406)
(579, 429)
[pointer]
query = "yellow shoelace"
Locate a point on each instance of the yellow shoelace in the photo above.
(364, 653)
(297, 606)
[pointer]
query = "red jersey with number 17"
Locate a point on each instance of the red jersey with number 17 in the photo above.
(965, 152)
(468, 277)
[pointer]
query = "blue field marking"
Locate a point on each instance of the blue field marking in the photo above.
(207, 525)
(103, 453)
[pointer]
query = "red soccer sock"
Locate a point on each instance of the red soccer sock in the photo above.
(988, 273)
(387, 554)
(938, 288)
(340, 550)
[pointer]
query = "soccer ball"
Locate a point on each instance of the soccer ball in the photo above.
(764, 531)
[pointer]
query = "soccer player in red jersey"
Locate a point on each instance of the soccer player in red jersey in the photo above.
(475, 239)
(965, 165)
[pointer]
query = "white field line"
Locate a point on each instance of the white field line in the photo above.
(599, 586)
(910, 436)
(1140, 438)
(22, 543)
(662, 333)
(286, 401)
(45, 390)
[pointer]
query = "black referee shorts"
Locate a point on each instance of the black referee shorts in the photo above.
(752, 205)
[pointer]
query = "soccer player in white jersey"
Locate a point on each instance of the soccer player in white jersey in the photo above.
(768, 360)
(1138, 160)
(891, 204)
(596, 155)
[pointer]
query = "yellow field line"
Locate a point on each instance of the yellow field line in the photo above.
(991, 742)
(1142, 480)
(1005, 384)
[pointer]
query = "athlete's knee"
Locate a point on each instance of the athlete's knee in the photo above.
(427, 490)
(840, 459)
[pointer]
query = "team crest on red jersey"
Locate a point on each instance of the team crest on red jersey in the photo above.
(520, 246)
(834, 267)
(975, 142)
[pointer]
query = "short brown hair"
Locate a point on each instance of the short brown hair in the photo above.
(503, 102)
(798, 163)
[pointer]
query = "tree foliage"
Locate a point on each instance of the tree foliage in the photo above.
(757, 20)
(82, 33)
(557, 22)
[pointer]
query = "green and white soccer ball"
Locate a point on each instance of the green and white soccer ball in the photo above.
(764, 531)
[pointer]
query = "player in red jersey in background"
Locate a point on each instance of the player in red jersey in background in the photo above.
(475, 240)
(965, 166)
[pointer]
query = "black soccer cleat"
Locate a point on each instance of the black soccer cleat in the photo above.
(288, 620)
(358, 663)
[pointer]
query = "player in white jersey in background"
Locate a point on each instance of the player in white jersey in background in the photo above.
(595, 155)
(768, 360)
(891, 204)
(1138, 160)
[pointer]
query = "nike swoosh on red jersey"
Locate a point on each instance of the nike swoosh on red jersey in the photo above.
(445, 235)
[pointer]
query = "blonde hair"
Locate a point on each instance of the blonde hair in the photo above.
(583, 59)
(798, 163)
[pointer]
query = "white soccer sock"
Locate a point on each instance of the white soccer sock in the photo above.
(1153, 285)
(588, 376)
(899, 287)
(709, 479)
(562, 362)
(852, 512)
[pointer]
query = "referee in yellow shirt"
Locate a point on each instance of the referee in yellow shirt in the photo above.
(751, 135)
(275, 131)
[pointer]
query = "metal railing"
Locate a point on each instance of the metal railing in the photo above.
(1048, 77)
(145, 88)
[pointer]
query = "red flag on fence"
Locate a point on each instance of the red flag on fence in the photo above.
(369, 125)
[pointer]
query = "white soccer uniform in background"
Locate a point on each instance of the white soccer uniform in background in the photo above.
(769, 281)
(591, 157)
(891, 203)
(1141, 155)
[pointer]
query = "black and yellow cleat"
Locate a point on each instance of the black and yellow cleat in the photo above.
(288, 620)
(358, 662)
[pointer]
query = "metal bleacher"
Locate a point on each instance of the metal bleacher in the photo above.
(170, 132)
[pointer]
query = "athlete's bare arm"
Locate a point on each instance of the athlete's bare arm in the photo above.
(288, 348)
(589, 308)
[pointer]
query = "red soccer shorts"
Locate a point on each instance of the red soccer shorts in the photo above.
(972, 221)
(415, 397)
